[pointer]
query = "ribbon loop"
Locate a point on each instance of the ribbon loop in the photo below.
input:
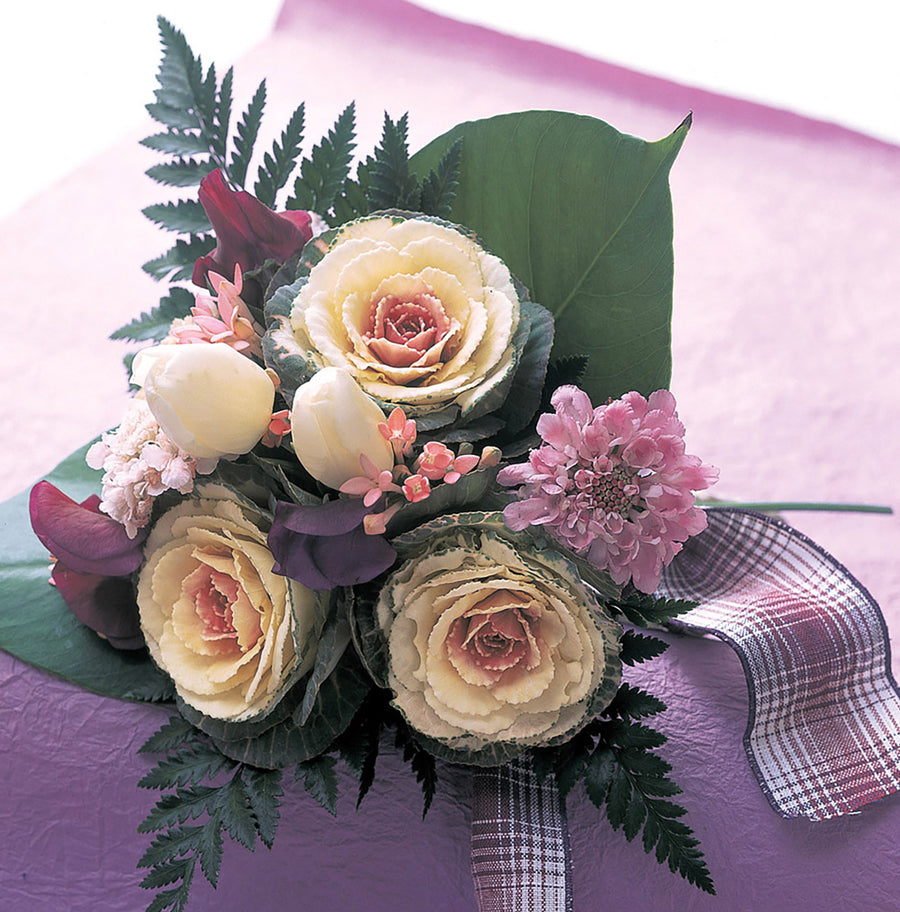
(823, 734)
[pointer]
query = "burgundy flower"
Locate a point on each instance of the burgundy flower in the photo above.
(613, 483)
(325, 546)
(94, 561)
(247, 232)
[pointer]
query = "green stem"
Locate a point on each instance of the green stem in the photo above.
(768, 507)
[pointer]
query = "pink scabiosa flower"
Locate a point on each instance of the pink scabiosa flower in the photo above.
(612, 483)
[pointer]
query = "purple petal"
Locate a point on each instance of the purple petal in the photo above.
(105, 604)
(325, 546)
(333, 518)
(79, 536)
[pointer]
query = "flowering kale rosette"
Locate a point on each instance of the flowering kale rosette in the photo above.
(494, 645)
(353, 490)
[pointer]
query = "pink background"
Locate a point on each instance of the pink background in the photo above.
(786, 289)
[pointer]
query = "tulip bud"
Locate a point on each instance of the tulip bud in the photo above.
(333, 423)
(209, 400)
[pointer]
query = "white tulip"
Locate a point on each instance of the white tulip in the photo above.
(333, 423)
(209, 400)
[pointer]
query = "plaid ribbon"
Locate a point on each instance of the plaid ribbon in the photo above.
(823, 735)
(521, 859)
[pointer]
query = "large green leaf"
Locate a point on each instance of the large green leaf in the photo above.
(35, 623)
(582, 215)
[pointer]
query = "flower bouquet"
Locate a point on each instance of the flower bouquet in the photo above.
(402, 462)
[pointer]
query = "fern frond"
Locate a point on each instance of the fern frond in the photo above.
(247, 132)
(392, 186)
(322, 175)
(278, 165)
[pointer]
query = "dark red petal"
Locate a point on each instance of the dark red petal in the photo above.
(105, 604)
(247, 232)
(82, 538)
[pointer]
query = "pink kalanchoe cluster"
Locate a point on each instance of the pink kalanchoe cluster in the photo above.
(139, 463)
(612, 483)
(437, 462)
(225, 318)
(399, 431)
(279, 427)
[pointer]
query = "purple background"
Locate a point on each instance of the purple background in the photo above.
(786, 375)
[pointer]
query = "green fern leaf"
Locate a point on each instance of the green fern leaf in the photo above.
(204, 95)
(171, 900)
(392, 186)
(186, 216)
(210, 848)
(179, 70)
(599, 774)
(185, 172)
(233, 804)
(632, 702)
(635, 815)
(322, 175)
(154, 325)
(187, 767)
(421, 761)
(177, 262)
(439, 188)
(247, 132)
(645, 610)
(177, 142)
(634, 735)
(633, 785)
(320, 780)
(637, 647)
(167, 873)
(277, 167)
(175, 843)
(351, 204)
(175, 733)
(264, 792)
(185, 804)
(222, 117)
(175, 118)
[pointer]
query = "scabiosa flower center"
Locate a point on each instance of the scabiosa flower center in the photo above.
(612, 489)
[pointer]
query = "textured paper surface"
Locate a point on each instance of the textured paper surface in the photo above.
(786, 374)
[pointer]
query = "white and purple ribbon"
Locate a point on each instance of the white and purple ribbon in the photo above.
(521, 860)
(823, 734)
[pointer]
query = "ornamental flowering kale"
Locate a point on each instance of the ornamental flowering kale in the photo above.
(612, 483)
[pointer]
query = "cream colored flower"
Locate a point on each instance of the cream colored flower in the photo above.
(209, 399)
(231, 634)
(333, 423)
(491, 644)
(418, 313)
